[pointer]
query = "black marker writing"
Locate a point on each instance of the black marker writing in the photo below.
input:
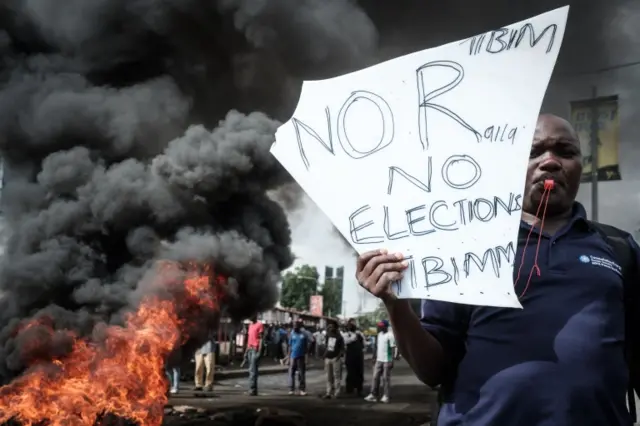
(387, 229)
(446, 174)
(500, 133)
(435, 271)
(450, 226)
(425, 186)
(299, 125)
(481, 264)
(434, 275)
(386, 117)
(354, 229)
(415, 216)
(342, 128)
(395, 222)
(410, 272)
(469, 210)
(508, 252)
(503, 39)
(426, 97)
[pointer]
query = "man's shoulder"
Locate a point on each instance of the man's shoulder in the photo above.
(621, 242)
(610, 230)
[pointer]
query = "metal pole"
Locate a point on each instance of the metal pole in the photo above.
(594, 154)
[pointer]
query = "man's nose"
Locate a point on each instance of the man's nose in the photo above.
(549, 162)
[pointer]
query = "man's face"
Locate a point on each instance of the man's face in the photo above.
(351, 325)
(555, 154)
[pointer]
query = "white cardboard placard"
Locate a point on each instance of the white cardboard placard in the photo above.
(426, 155)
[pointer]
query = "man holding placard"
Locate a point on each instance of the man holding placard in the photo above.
(566, 358)
(529, 312)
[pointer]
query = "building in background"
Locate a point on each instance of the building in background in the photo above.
(606, 132)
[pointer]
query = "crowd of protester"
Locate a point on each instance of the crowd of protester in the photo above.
(340, 347)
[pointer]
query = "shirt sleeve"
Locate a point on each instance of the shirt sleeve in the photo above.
(633, 285)
(448, 323)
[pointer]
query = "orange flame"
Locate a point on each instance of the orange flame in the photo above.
(123, 375)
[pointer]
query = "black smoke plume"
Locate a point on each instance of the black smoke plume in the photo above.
(139, 130)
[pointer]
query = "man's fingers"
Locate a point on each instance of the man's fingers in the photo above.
(385, 282)
(383, 268)
(381, 259)
(388, 278)
(366, 257)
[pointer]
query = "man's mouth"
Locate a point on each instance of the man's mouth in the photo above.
(540, 182)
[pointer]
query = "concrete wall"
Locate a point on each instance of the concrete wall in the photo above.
(616, 72)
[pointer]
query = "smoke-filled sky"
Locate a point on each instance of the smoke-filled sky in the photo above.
(138, 130)
(124, 123)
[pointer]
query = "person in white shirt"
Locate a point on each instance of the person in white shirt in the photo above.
(318, 339)
(384, 354)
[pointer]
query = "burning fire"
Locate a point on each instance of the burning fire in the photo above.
(122, 375)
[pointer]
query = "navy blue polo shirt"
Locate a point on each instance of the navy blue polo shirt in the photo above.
(559, 361)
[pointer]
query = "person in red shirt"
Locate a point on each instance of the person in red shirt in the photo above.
(254, 347)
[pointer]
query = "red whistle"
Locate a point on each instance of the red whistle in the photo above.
(549, 184)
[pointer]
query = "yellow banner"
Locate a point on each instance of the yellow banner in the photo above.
(608, 137)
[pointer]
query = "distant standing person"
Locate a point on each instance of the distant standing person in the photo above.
(354, 358)
(384, 353)
(282, 339)
(298, 350)
(172, 370)
(318, 336)
(254, 345)
(311, 341)
(205, 358)
(334, 349)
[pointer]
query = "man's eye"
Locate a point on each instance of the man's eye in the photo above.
(534, 153)
(566, 152)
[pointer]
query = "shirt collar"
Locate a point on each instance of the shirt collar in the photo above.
(578, 218)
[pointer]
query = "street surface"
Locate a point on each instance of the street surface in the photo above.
(410, 399)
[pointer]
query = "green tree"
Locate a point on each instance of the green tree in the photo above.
(298, 287)
(370, 319)
(332, 297)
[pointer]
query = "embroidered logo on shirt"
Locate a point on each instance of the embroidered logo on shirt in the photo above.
(601, 261)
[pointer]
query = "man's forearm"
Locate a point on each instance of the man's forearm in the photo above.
(421, 350)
